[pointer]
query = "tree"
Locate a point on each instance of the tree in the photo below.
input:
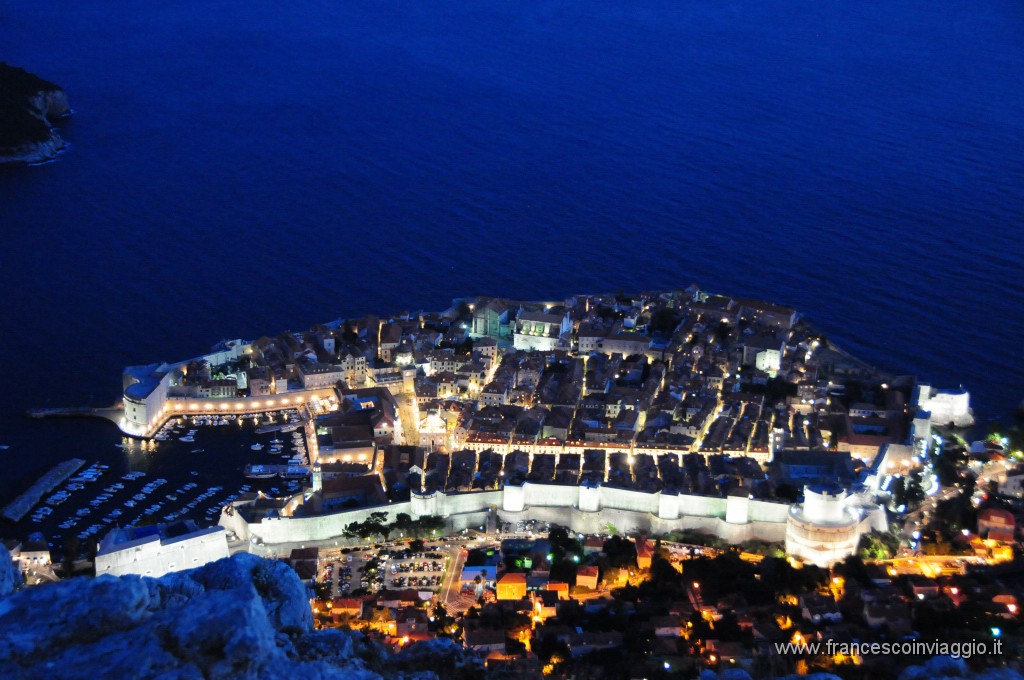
(852, 569)
(915, 492)
(898, 492)
(620, 551)
(403, 523)
(564, 570)
(348, 333)
(877, 545)
(663, 321)
(427, 525)
(374, 525)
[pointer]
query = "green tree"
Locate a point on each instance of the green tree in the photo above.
(374, 525)
(877, 545)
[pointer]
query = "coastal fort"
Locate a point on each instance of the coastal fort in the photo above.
(656, 412)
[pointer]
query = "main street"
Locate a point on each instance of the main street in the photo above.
(451, 588)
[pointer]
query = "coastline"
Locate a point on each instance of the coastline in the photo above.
(29, 105)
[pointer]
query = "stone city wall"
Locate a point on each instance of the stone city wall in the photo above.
(584, 509)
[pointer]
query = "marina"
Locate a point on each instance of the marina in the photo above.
(189, 470)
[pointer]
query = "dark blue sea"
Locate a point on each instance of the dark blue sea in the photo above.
(239, 168)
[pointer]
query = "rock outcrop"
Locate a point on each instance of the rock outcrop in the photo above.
(28, 107)
(240, 617)
(10, 575)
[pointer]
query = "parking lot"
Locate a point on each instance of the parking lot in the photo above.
(384, 566)
(528, 527)
(421, 571)
(343, 573)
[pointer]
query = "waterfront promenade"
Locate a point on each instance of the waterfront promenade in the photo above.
(175, 407)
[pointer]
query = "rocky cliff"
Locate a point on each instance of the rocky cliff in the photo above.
(10, 576)
(28, 107)
(241, 617)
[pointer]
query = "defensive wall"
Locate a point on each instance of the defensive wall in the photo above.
(583, 509)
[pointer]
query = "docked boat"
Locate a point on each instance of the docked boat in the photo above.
(260, 471)
(293, 472)
(256, 447)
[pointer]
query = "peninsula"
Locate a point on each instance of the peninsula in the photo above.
(661, 411)
(28, 107)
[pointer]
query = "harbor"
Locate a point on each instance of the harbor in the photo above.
(192, 468)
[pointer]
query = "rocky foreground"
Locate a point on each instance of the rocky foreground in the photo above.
(28, 107)
(240, 617)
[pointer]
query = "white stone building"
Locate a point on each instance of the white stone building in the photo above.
(157, 550)
(540, 331)
(945, 406)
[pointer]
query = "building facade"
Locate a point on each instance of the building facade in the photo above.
(158, 550)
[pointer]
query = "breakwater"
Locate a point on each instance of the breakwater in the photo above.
(111, 413)
(20, 506)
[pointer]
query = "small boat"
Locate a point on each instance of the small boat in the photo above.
(256, 447)
(198, 450)
(260, 471)
(187, 438)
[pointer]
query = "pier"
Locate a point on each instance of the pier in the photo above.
(112, 413)
(20, 506)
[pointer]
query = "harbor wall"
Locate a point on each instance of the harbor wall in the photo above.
(20, 506)
(143, 419)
